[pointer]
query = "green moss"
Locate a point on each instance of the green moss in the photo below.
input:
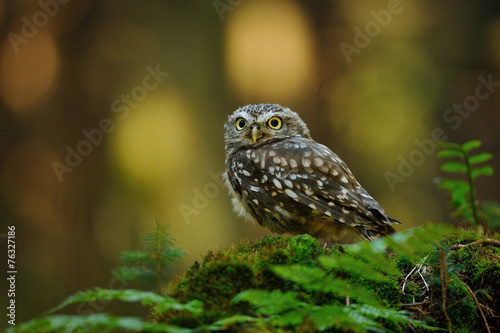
(222, 275)
(412, 292)
(478, 266)
(460, 305)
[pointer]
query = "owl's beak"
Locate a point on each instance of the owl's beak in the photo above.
(255, 133)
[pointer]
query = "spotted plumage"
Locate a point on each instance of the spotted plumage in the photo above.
(283, 179)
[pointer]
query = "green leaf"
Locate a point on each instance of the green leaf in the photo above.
(449, 145)
(98, 322)
(315, 279)
(472, 144)
(353, 266)
(146, 298)
(299, 274)
(482, 171)
(451, 153)
(480, 158)
(454, 185)
(226, 323)
(454, 167)
(269, 303)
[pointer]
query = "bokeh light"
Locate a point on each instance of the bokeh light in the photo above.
(269, 50)
(27, 75)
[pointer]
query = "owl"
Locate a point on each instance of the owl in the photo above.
(281, 178)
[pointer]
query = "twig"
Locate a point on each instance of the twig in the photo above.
(407, 305)
(479, 307)
(418, 267)
(486, 241)
(444, 281)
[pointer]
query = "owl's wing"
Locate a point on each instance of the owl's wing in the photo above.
(327, 184)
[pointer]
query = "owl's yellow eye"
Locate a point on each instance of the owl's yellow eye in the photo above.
(275, 123)
(240, 124)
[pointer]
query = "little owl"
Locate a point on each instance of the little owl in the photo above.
(283, 179)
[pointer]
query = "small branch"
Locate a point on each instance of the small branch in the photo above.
(408, 305)
(486, 241)
(418, 267)
(479, 307)
(444, 281)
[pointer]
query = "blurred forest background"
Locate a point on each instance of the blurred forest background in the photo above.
(112, 112)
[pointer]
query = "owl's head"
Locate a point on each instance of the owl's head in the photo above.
(257, 124)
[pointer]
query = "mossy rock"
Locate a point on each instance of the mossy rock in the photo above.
(222, 275)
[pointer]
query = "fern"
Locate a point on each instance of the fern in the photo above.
(150, 265)
(347, 289)
(463, 193)
(100, 322)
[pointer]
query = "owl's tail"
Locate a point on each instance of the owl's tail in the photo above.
(386, 229)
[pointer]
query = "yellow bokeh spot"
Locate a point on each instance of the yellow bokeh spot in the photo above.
(268, 50)
(154, 144)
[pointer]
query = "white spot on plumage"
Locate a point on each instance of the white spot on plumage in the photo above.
(344, 180)
(293, 163)
(318, 161)
(320, 183)
(306, 162)
(277, 183)
(328, 213)
(323, 169)
(335, 172)
(312, 206)
(309, 192)
(246, 173)
(291, 194)
(292, 176)
(272, 153)
(282, 212)
(283, 161)
(255, 201)
(254, 188)
(288, 183)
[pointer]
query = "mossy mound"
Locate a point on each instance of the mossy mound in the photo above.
(224, 274)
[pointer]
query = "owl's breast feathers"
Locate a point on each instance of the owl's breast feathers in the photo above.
(297, 185)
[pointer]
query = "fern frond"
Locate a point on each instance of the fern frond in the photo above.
(463, 194)
(99, 322)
